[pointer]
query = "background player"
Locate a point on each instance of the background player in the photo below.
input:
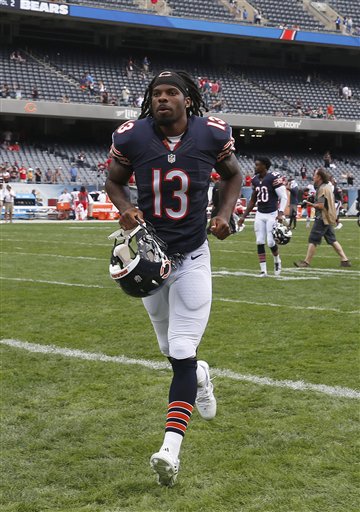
(268, 190)
(172, 151)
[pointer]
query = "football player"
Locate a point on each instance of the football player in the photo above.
(269, 194)
(172, 151)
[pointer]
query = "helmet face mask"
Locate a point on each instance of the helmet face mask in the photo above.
(281, 233)
(138, 261)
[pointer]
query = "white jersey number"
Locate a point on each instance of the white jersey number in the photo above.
(180, 194)
(262, 194)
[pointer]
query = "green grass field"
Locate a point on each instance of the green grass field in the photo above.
(78, 430)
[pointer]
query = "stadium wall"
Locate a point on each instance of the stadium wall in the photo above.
(110, 113)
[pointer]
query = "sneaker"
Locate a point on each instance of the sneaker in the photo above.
(301, 264)
(263, 274)
(339, 226)
(205, 400)
(277, 268)
(346, 263)
(165, 467)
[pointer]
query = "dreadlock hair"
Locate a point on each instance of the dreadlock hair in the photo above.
(197, 103)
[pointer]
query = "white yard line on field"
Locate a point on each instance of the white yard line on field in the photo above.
(221, 299)
(288, 306)
(336, 391)
(61, 283)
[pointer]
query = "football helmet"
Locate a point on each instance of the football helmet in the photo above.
(281, 233)
(138, 261)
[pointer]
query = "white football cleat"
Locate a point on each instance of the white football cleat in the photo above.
(205, 400)
(165, 467)
(277, 268)
(263, 274)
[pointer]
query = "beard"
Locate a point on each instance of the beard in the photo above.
(165, 121)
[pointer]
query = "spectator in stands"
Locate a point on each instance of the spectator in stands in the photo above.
(65, 99)
(14, 173)
(104, 98)
(327, 159)
(338, 24)
(102, 196)
(14, 147)
(83, 83)
(18, 92)
(80, 160)
(102, 87)
(35, 93)
(22, 174)
(257, 17)
(125, 96)
(139, 100)
(330, 111)
(129, 68)
(56, 177)
(30, 175)
(245, 14)
(73, 172)
(9, 196)
(214, 90)
(114, 100)
(345, 92)
(350, 179)
(5, 91)
(5, 173)
(17, 57)
(38, 175)
(303, 171)
(349, 25)
(48, 175)
(325, 219)
(146, 65)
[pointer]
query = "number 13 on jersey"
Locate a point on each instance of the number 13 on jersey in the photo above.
(180, 193)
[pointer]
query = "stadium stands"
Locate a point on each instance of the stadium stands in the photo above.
(251, 90)
(290, 14)
(348, 8)
(60, 156)
(212, 10)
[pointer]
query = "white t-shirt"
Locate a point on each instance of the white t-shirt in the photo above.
(9, 196)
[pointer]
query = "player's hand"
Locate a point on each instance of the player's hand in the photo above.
(130, 218)
(280, 217)
(241, 221)
(220, 228)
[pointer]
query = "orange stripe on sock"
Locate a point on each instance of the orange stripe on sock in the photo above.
(179, 426)
(179, 415)
(184, 405)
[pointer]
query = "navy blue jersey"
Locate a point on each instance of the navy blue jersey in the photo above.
(173, 185)
(266, 197)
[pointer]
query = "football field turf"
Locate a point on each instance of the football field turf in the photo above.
(84, 387)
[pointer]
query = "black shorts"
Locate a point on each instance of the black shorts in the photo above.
(320, 230)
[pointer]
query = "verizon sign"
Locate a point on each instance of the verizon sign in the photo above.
(287, 124)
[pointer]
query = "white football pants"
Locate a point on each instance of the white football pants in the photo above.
(263, 225)
(180, 311)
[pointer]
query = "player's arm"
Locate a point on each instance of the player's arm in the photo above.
(282, 195)
(229, 191)
(115, 186)
(250, 206)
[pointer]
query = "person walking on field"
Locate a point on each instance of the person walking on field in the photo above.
(325, 219)
(172, 150)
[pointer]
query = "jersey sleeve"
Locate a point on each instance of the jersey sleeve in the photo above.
(222, 137)
(277, 180)
(122, 141)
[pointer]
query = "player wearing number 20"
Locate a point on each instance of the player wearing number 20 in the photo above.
(269, 194)
(172, 151)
